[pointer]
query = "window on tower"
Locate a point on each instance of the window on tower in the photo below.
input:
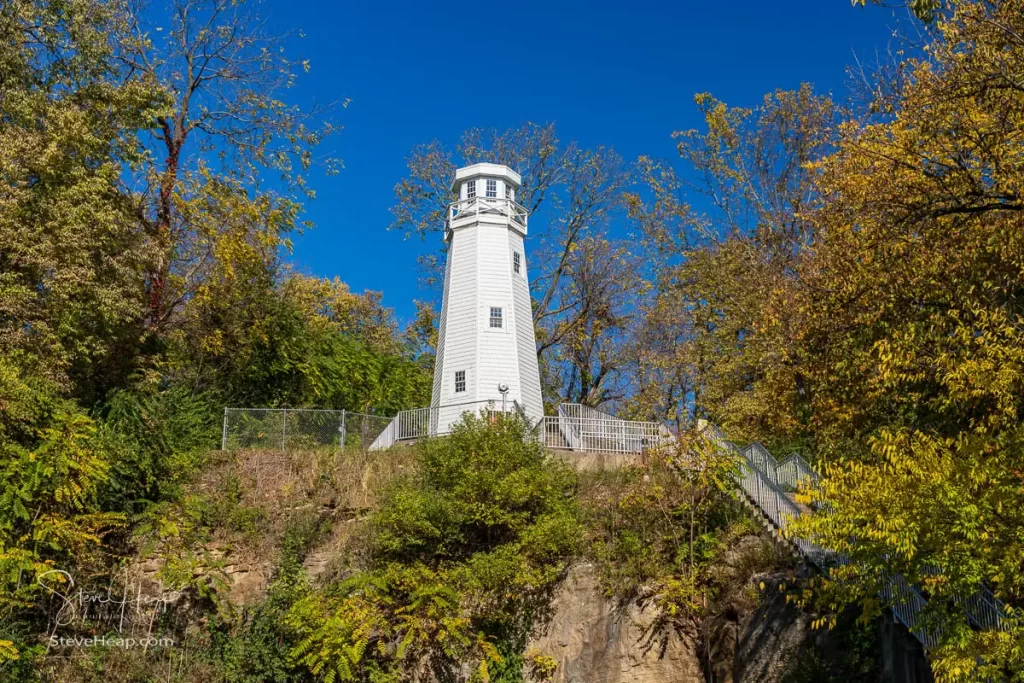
(508, 191)
(460, 381)
(471, 189)
(496, 317)
(492, 188)
(517, 262)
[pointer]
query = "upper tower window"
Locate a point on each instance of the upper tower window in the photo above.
(492, 187)
(517, 262)
(471, 189)
(508, 191)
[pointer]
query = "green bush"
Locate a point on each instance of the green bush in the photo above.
(155, 441)
(462, 556)
(258, 650)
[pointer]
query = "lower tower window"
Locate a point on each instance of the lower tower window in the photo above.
(496, 317)
(460, 381)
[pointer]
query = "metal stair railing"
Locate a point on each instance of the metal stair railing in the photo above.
(905, 600)
(794, 469)
(764, 460)
(570, 427)
(983, 608)
(987, 611)
(907, 603)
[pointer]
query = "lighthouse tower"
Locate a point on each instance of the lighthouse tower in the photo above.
(486, 349)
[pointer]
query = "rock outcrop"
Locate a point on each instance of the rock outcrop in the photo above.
(596, 640)
(754, 636)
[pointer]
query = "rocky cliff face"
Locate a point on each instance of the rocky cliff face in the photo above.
(594, 639)
(754, 637)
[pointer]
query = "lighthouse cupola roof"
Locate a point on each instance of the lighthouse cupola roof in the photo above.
(486, 170)
(485, 194)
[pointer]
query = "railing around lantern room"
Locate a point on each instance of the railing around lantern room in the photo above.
(491, 207)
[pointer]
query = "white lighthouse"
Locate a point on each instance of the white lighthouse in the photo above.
(486, 348)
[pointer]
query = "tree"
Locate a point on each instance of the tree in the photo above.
(591, 355)
(143, 281)
(724, 234)
(912, 320)
(273, 337)
(70, 279)
(226, 78)
(877, 322)
(573, 195)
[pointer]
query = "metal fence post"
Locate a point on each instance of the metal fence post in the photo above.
(224, 432)
(284, 429)
(342, 430)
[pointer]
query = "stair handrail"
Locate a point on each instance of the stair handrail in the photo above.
(905, 600)
(982, 607)
(570, 427)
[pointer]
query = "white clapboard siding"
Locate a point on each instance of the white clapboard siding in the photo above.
(483, 233)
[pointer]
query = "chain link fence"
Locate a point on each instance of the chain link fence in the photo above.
(285, 429)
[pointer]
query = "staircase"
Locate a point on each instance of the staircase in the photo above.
(767, 486)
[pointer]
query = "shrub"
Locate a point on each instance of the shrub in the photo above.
(462, 555)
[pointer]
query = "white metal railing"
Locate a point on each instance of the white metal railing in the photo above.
(486, 206)
(907, 604)
(420, 423)
(765, 492)
(571, 431)
(987, 611)
(575, 427)
(578, 427)
(787, 473)
(760, 456)
(794, 470)
(763, 480)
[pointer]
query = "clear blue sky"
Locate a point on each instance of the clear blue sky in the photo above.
(621, 74)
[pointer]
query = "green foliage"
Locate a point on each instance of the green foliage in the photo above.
(70, 270)
(154, 442)
(462, 554)
(294, 343)
(482, 487)
(656, 532)
(143, 289)
(861, 299)
(850, 655)
(51, 478)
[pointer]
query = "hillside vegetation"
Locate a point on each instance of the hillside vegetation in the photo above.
(433, 563)
(842, 278)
